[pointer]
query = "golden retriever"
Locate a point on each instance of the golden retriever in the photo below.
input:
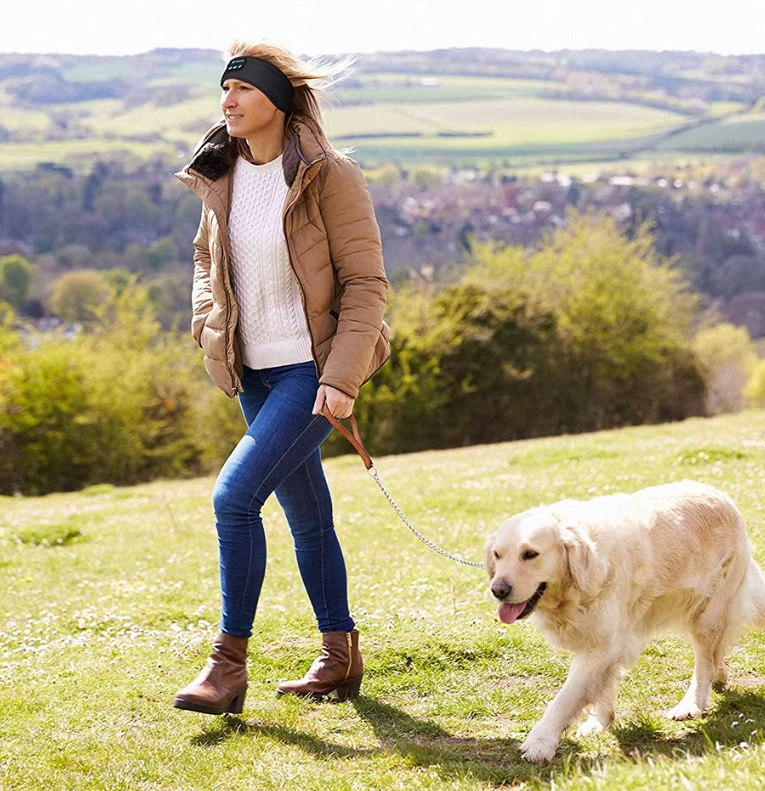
(600, 577)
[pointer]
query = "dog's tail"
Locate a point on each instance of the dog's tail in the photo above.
(755, 595)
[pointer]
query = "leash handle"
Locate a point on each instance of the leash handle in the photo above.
(353, 436)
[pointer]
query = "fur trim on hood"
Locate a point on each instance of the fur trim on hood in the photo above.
(217, 152)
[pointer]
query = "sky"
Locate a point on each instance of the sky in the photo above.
(316, 27)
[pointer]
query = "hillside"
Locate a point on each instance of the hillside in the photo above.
(109, 599)
(445, 106)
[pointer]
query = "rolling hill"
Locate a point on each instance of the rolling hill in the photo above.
(447, 106)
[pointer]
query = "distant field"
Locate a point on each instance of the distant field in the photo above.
(78, 154)
(737, 133)
(398, 88)
(382, 117)
(526, 126)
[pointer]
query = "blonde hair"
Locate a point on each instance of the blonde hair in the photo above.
(311, 80)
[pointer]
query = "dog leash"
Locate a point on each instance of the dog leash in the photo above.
(354, 437)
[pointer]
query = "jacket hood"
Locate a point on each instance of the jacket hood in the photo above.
(216, 153)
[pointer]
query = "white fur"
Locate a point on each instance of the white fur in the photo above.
(618, 569)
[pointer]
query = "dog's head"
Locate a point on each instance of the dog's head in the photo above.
(532, 553)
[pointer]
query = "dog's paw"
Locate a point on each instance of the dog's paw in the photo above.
(685, 710)
(538, 751)
(590, 726)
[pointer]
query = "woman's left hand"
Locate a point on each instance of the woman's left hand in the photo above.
(340, 404)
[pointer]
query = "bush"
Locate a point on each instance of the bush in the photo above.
(729, 359)
(589, 332)
(119, 404)
(80, 295)
(15, 280)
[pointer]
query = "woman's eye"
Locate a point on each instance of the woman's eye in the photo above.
(529, 554)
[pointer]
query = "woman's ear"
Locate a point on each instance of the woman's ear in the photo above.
(580, 555)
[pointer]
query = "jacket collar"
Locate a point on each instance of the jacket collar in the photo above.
(217, 152)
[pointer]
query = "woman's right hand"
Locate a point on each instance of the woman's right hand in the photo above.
(340, 404)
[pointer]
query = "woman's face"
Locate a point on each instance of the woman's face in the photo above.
(248, 112)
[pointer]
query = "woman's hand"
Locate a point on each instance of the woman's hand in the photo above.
(340, 404)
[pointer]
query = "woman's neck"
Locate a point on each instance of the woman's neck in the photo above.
(265, 150)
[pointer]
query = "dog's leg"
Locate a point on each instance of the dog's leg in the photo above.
(583, 686)
(709, 667)
(711, 638)
(603, 713)
(696, 698)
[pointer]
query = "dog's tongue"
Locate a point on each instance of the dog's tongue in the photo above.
(508, 613)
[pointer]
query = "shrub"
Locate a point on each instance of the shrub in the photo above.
(729, 359)
(590, 331)
(80, 295)
(118, 404)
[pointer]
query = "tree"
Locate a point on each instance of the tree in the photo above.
(15, 279)
(78, 296)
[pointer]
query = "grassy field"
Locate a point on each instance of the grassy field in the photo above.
(108, 600)
(523, 127)
(385, 117)
(744, 132)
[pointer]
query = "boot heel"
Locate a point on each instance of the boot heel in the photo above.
(348, 690)
(236, 704)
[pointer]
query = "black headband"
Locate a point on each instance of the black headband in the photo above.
(266, 77)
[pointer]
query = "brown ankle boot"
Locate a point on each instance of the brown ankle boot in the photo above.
(221, 686)
(338, 670)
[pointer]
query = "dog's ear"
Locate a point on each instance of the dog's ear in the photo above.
(488, 552)
(580, 554)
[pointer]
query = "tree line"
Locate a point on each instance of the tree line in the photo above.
(138, 220)
(591, 330)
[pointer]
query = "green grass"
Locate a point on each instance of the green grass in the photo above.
(496, 119)
(79, 154)
(418, 89)
(745, 132)
(109, 597)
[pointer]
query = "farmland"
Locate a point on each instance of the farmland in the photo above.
(402, 109)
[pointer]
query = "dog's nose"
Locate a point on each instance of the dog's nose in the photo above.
(501, 589)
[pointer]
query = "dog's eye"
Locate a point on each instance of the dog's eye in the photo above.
(529, 554)
(496, 555)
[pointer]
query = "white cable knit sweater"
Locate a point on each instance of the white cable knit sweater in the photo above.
(272, 326)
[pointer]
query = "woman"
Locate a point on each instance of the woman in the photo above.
(288, 298)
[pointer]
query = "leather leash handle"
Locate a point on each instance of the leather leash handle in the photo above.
(354, 438)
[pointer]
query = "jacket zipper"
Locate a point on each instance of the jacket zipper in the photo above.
(227, 291)
(350, 654)
(290, 256)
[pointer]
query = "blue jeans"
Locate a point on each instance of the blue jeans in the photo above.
(279, 453)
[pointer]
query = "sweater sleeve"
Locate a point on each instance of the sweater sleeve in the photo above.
(356, 252)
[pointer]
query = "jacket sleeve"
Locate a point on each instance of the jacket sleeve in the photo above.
(356, 253)
(201, 292)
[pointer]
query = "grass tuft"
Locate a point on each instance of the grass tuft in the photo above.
(56, 535)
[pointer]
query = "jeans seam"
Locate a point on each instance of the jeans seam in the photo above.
(325, 614)
(287, 450)
(249, 559)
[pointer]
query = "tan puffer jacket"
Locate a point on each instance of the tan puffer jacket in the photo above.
(334, 248)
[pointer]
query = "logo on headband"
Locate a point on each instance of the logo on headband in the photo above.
(236, 63)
